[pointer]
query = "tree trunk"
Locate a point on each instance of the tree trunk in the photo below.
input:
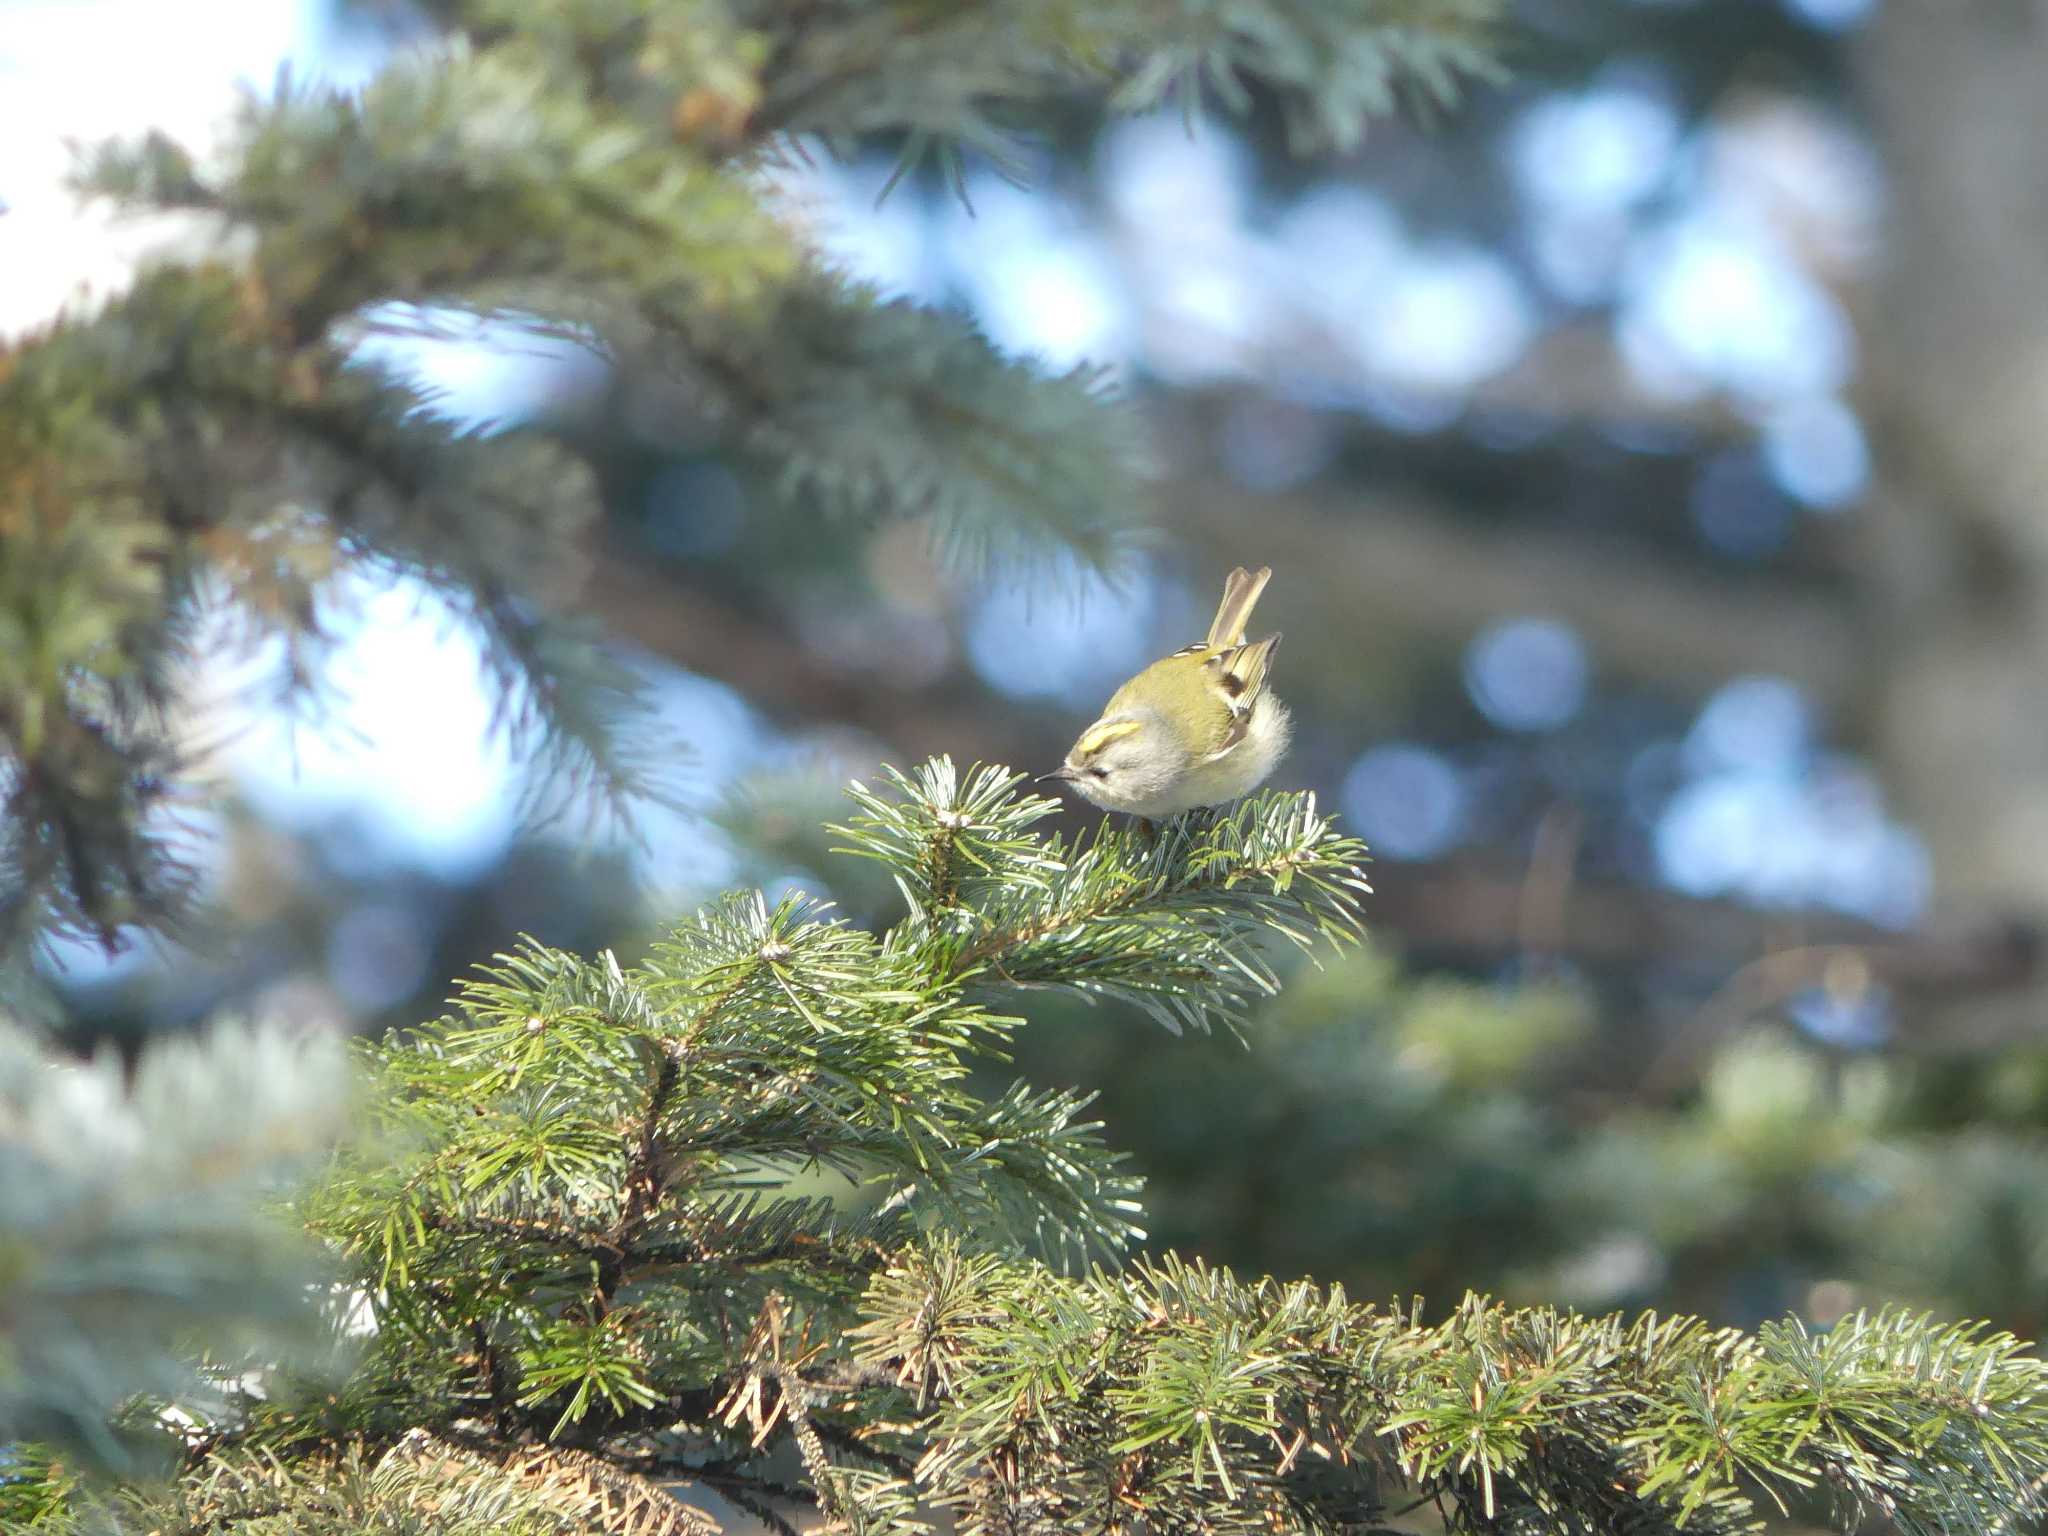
(1957, 398)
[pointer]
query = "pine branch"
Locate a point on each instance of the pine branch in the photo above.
(581, 1228)
(1334, 67)
(868, 411)
(207, 430)
(583, 1134)
(1167, 923)
(970, 73)
(1175, 1387)
(423, 1483)
(857, 408)
(130, 1229)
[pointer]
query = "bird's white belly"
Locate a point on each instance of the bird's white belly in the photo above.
(1237, 772)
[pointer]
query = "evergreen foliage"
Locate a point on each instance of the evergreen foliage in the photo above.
(582, 169)
(131, 1234)
(738, 1221)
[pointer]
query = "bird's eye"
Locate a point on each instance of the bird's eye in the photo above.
(1100, 773)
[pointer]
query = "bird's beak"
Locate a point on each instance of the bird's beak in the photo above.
(1062, 773)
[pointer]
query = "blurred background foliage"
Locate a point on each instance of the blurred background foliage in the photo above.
(1645, 452)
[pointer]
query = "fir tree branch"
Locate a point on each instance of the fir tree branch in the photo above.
(131, 1229)
(1333, 67)
(1169, 924)
(943, 1370)
(644, 1174)
(214, 411)
(517, 1230)
(498, 1384)
(1264, 1403)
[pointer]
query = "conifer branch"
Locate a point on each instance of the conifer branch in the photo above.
(644, 1174)
(131, 1227)
(1173, 1386)
(1169, 923)
(968, 72)
(908, 1346)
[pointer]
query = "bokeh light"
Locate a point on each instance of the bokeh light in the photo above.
(1711, 301)
(1037, 277)
(1860, 1019)
(1816, 451)
(1753, 724)
(1406, 800)
(882, 240)
(1159, 169)
(1339, 243)
(1764, 817)
(1835, 15)
(1450, 316)
(1596, 151)
(1075, 646)
(1527, 674)
(1740, 509)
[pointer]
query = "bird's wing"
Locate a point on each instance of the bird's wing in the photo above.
(1240, 676)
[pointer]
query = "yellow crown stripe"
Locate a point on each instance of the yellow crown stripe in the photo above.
(1098, 737)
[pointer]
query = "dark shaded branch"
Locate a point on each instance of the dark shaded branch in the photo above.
(847, 1443)
(1421, 571)
(655, 606)
(800, 1249)
(1473, 909)
(744, 1493)
(643, 1175)
(519, 1230)
(496, 1382)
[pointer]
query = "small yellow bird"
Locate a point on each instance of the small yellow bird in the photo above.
(1196, 728)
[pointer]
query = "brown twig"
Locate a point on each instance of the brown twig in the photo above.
(643, 1176)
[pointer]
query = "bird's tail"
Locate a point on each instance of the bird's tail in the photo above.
(1240, 596)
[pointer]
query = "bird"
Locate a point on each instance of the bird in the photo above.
(1194, 729)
